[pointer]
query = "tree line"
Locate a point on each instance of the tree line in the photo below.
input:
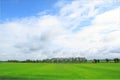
(116, 60)
(67, 60)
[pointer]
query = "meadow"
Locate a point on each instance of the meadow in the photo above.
(59, 71)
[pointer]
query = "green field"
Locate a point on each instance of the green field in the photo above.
(59, 71)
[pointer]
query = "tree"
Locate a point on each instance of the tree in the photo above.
(98, 60)
(95, 60)
(116, 60)
(107, 60)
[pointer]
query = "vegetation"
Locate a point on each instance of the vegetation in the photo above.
(67, 60)
(59, 71)
(55, 60)
(116, 60)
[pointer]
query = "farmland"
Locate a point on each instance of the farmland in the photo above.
(59, 71)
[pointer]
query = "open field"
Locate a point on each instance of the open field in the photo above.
(59, 71)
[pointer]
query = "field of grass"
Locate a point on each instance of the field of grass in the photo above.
(59, 71)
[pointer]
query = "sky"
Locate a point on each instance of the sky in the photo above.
(40, 29)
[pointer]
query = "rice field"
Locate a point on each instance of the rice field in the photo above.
(59, 71)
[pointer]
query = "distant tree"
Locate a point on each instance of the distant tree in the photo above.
(98, 60)
(85, 60)
(12, 61)
(28, 60)
(107, 60)
(116, 60)
(95, 60)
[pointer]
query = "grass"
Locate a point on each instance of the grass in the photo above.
(59, 71)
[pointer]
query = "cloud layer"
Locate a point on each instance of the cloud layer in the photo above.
(78, 28)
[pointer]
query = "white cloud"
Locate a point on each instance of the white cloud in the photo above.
(47, 36)
(99, 39)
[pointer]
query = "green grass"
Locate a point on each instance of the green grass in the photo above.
(60, 71)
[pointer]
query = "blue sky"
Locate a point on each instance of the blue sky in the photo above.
(39, 29)
(23, 8)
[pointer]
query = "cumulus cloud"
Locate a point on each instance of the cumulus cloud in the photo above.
(100, 39)
(64, 33)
